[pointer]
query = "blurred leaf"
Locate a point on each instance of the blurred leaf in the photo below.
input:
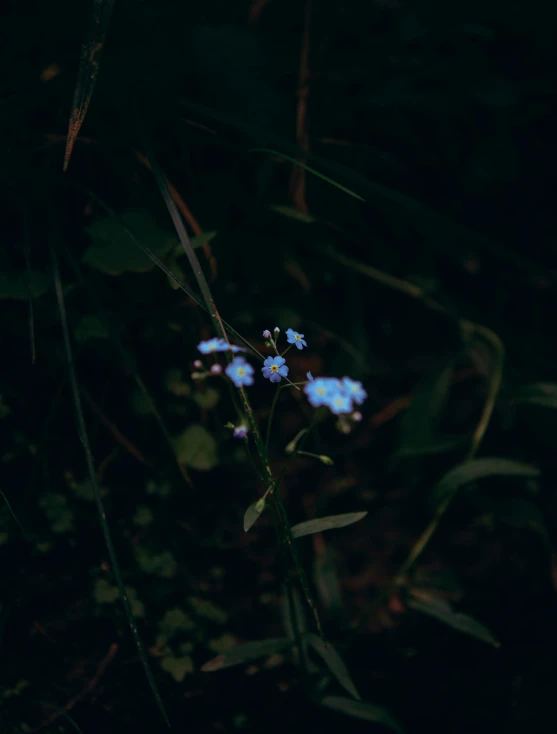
(89, 328)
(321, 524)
(161, 564)
(207, 398)
(176, 384)
(442, 611)
(196, 447)
(177, 667)
(57, 512)
(248, 651)
(362, 710)
(519, 512)
(175, 620)
(223, 643)
(418, 428)
(334, 662)
(326, 581)
(113, 250)
(14, 285)
(476, 469)
(143, 517)
(104, 592)
(538, 393)
(208, 610)
(252, 514)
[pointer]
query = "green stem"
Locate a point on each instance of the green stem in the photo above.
(270, 421)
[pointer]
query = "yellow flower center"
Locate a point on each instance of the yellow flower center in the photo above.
(320, 390)
(297, 336)
(241, 371)
(274, 368)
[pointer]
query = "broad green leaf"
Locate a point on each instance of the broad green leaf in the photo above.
(113, 250)
(442, 611)
(178, 667)
(89, 328)
(248, 651)
(362, 710)
(538, 393)
(253, 513)
(418, 428)
(334, 662)
(476, 469)
(326, 523)
(14, 285)
(196, 448)
(223, 643)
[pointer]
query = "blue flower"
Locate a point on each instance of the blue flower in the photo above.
(355, 390)
(240, 432)
(339, 402)
(240, 372)
(274, 368)
(292, 337)
(218, 345)
(320, 389)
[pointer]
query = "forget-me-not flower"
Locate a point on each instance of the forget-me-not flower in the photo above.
(355, 390)
(240, 372)
(218, 344)
(274, 368)
(292, 337)
(339, 402)
(320, 389)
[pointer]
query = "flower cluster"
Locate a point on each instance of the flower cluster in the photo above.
(337, 395)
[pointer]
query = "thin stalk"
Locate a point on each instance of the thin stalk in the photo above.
(220, 329)
(82, 432)
(271, 415)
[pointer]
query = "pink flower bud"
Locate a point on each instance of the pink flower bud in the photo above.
(216, 369)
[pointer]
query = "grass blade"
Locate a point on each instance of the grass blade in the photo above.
(82, 432)
(335, 663)
(88, 71)
(309, 170)
(362, 710)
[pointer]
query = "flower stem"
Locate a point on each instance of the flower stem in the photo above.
(271, 414)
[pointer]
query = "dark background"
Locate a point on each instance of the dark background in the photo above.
(441, 118)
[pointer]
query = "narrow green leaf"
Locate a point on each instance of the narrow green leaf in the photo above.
(252, 514)
(325, 578)
(442, 611)
(362, 710)
(248, 651)
(309, 170)
(88, 70)
(82, 432)
(471, 471)
(335, 663)
(326, 523)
